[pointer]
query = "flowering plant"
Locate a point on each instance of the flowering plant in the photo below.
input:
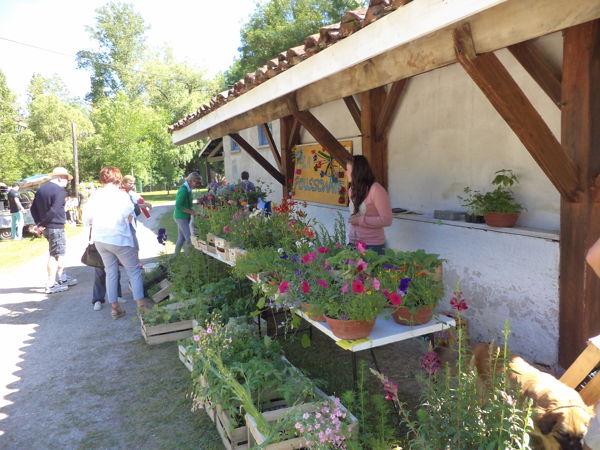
(327, 427)
(499, 421)
(360, 296)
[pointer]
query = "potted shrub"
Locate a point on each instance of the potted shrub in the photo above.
(499, 207)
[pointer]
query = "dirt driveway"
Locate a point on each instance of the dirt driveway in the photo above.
(73, 378)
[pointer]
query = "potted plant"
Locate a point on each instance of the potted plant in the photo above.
(499, 207)
(352, 311)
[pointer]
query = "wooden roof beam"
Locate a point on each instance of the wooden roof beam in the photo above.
(272, 145)
(258, 157)
(353, 109)
(319, 132)
(540, 70)
(390, 105)
(508, 99)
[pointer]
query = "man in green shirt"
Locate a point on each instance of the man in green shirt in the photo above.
(183, 210)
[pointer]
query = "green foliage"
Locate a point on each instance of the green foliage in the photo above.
(190, 271)
(277, 25)
(500, 200)
(119, 32)
(498, 419)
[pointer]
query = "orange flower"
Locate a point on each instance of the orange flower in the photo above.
(422, 273)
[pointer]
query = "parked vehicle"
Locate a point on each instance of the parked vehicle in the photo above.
(27, 189)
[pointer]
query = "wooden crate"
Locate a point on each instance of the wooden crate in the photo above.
(167, 332)
(202, 245)
(184, 357)
(222, 247)
(210, 239)
(583, 373)
(163, 293)
(234, 253)
(194, 240)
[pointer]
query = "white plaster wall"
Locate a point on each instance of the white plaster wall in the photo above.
(446, 135)
(238, 161)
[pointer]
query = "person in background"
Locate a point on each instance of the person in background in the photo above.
(48, 211)
(247, 185)
(136, 199)
(16, 213)
(99, 289)
(109, 211)
(183, 210)
(370, 209)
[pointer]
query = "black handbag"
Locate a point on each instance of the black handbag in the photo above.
(90, 256)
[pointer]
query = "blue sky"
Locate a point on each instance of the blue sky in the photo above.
(203, 33)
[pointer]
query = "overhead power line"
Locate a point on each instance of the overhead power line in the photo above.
(103, 64)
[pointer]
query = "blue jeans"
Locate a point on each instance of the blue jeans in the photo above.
(379, 249)
(16, 229)
(99, 292)
(183, 238)
(128, 256)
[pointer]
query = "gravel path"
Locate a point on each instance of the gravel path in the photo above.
(73, 378)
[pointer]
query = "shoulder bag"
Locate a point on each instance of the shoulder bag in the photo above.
(90, 256)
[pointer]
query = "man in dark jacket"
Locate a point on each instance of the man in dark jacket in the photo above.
(48, 211)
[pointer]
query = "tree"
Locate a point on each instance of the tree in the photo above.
(277, 25)
(120, 34)
(48, 141)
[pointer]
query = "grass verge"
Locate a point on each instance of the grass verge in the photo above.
(16, 253)
(158, 197)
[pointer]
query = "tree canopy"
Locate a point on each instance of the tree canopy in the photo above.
(276, 25)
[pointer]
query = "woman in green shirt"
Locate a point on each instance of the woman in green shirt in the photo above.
(183, 210)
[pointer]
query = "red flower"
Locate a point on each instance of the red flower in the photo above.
(284, 286)
(395, 299)
(305, 287)
(226, 229)
(361, 247)
(309, 258)
(322, 283)
(298, 171)
(323, 250)
(358, 287)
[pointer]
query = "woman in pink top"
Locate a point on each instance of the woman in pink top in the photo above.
(369, 205)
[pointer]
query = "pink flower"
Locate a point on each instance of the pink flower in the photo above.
(344, 288)
(361, 247)
(298, 171)
(358, 287)
(338, 245)
(284, 286)
(309, 258)
(305, 286)
(196, 338)
(209, 330)
(430, 362)
(395, 299)
(226, 229)
(361, 265)
(323, 250)
(322, 283)
(376, 284)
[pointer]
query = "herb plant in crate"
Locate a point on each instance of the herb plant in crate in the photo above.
(499, 207)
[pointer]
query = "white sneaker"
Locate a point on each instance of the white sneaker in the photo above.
(121, 299)
(68, 281)
(56, 288)
(97, 306)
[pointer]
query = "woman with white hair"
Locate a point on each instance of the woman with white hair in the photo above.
(183, 210)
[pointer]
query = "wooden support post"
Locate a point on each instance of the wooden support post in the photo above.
(540, 70)
(354, 110)
(374, 148)
(272, 145)
(508, 99)
(319, 132)
(580, 221)
(289, 136)
(388, 109)
(258, 157)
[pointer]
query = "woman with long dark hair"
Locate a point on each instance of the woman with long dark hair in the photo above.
(370, 209)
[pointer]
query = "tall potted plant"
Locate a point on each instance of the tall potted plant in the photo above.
(499, 207)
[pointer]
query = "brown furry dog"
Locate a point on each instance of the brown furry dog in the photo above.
(560, 416)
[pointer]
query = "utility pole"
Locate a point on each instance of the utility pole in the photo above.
(75, 161)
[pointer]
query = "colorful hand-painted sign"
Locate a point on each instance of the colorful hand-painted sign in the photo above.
(318, 177)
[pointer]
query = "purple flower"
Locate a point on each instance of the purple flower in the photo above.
(430, 362)
(404, 283)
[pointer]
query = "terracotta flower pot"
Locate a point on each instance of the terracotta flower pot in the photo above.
(403, 316)
(505, 220)
(316, 317)
(350, 329)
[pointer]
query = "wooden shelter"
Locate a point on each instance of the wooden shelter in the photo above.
(393, 40)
